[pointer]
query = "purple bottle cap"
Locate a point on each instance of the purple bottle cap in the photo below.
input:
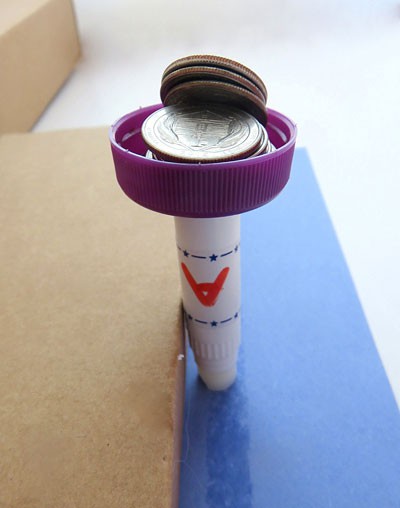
(200, 190)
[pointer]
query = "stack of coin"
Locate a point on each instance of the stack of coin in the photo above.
(210, 133)
(215, 111)
(213, 79)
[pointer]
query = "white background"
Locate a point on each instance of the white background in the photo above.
(332, 66)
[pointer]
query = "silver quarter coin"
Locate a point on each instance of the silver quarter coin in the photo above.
(150, 155)
(202, 133)
(264, 142)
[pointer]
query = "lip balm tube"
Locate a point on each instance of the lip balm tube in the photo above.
(206, 201)
(209, 265)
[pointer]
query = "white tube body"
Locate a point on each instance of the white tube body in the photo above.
(209, 266)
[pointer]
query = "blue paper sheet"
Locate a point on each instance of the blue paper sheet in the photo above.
(311, 420)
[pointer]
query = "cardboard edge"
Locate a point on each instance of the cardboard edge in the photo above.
(67, 75)
(178, 414)
(28, 124)
(74, 62)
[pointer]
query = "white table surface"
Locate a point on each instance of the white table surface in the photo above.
(332, 66)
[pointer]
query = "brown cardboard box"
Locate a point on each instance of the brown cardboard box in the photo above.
(91, 372)
(38, 48)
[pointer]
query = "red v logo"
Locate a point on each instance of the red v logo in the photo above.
(206, 292)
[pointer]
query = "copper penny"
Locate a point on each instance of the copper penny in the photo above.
(220, 63)
(204, 73)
